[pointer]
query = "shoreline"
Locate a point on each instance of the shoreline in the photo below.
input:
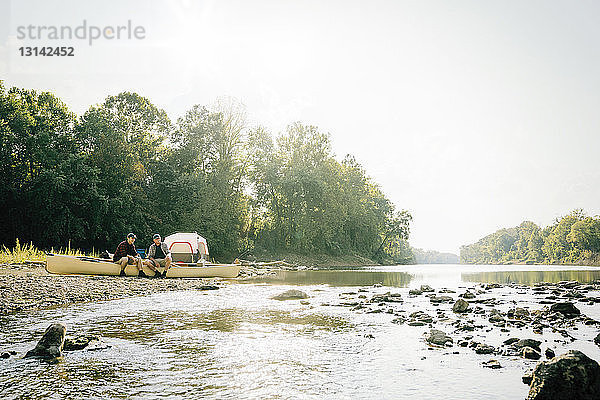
(29, 287)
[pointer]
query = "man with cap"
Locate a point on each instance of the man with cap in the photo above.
(127, 254)
(159, 255)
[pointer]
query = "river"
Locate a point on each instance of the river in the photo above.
(238, 343)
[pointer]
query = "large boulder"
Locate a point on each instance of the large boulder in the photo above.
(291, 295)
(460, 306)
(567, 309)
(51, 344)
(572, 376)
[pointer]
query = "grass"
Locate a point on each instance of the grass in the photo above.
(28, 252)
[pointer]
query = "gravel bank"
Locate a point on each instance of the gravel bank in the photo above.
(26, 287)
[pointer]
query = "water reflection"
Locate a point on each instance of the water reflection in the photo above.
(336, 278)
(531, 277)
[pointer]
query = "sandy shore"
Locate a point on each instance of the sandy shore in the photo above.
(26, 287)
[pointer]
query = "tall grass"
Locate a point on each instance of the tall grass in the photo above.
(28, 252)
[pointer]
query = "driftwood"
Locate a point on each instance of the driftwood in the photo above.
(35, 262)
(267, 264)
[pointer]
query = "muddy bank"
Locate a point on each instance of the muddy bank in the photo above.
(26, 287)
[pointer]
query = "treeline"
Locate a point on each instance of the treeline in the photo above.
(433, 257)
(572, 239)
(124, 166)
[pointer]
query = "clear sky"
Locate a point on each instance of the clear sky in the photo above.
(473, 115)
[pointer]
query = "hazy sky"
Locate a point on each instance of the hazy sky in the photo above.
(473, 115)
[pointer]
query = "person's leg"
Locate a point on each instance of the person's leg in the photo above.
(138, 264)
(153, 265)
(123, 263)
(167, 265)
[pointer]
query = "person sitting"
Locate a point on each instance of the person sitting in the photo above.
(159, 255)
(126, 254)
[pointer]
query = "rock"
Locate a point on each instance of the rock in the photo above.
(494, 364)
(51, 344)
(446, 290)
(482, 348)
(415, 292)
(440, 299)
(530, 353)
(460, 306)
(209, 287)
(426, 288)
(570, 376)
(510, 341)
(534, 344)
(496, 317)
(399, 320)
(518, 313)
(438, 337)
(420, 316)
(493, 286)
(467, 295)
(6, 354)
(291, 295)
(550, 353)
(567, 309)
(78, 343)
(597, 339)
(387, 298)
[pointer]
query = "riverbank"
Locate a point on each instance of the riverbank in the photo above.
(314, 260)
(29, 286)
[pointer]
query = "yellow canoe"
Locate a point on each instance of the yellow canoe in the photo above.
(68, 265)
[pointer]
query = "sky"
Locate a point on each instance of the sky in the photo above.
(472, 115)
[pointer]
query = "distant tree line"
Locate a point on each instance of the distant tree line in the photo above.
(572, 239)
(433, 257)
(125, 166)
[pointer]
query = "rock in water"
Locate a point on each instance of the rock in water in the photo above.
(530, 353)
(426, 288)
(494, 364)
(534, 344)
(484, 349)
(567, 309)
(438, 337)
(51, 344)
(291, 295)
(78, 343)
(570, 376)
(460, 306)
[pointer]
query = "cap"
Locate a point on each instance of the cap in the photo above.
(131, 235)
(156, 236)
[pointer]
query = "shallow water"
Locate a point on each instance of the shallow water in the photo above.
(239, 343)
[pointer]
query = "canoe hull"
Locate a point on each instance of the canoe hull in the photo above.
(69, 265)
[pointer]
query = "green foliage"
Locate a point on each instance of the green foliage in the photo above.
(572, 239)
(124, 167)
(307, 201)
